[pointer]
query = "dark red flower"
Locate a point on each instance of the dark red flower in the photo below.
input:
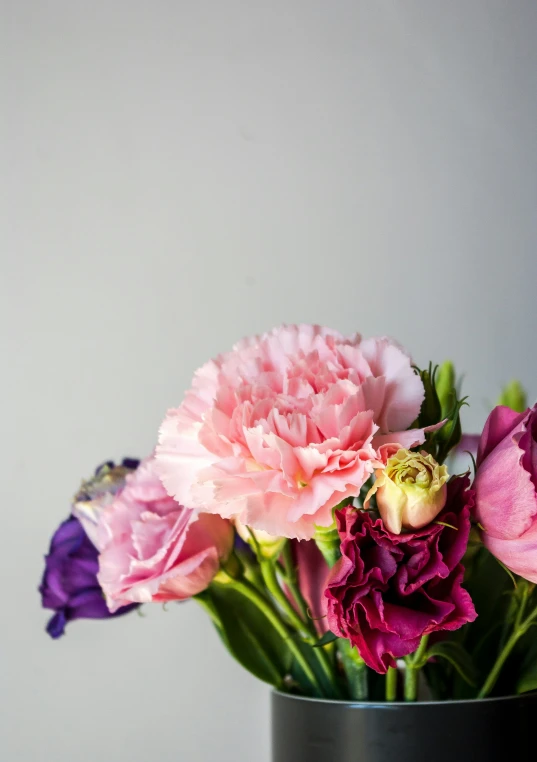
(388, 590)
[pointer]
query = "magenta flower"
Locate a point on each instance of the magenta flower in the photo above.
(282, 428)
(388, 590)
(505, 485)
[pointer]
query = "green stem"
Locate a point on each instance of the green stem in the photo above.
(414, 663)
(305, 628)
(411, 682)
(518, 632)
(291, 579)
(522, 607)
(266, 608)
(355, 670)
(270, 578)
(420, 653)
(273, 586)
(391, 684)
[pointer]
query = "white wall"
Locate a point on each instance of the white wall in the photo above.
(181, 173)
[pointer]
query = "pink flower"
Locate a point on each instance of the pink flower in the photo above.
(282, 428)
(99, 491)
(505, 485)
(388, 590)
(152, 548)
(313, 573)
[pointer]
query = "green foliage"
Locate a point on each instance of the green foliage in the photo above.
(519, 673)
(431, 408)
(329, 684)
(528, 678)
(491, 590)
(441, 402)
(328, 542)
(355, 670)
(514, 396)
(247, 633)
(492, 593)
(327, 638)
(458, 657)
(450, 434)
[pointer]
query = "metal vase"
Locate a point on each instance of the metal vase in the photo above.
(488, 730)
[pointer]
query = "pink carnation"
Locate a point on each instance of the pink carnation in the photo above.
(153, 549)
(282, 428)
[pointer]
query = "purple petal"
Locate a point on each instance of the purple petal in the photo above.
(56, 625)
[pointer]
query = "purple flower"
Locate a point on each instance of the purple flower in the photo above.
(69, 585)
(389, 590)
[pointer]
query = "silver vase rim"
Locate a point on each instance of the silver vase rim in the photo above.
(400, 704)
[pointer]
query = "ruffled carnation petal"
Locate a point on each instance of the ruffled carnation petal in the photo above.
(278, 431)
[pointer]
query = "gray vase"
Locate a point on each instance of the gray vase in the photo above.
(491, 730)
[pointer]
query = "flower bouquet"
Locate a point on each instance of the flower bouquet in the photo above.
(304, 494)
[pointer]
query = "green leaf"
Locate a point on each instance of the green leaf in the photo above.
(528, 680)
(329, 689)
(327, 638)
(205, 600)
(430, 409)
(248, 635)
(457, 656)
(450, 433)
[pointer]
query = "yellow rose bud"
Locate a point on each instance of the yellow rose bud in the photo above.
(269, 545)
(411, 490)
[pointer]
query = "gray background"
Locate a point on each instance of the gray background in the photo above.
(178, 174)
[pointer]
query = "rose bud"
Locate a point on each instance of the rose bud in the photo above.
(411, 490)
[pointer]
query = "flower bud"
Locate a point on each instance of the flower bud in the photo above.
(445, 387)
(269, 545)
(410, 491)
(514, 396)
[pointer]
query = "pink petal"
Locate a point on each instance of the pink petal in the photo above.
(519, 555)
(501, 422)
